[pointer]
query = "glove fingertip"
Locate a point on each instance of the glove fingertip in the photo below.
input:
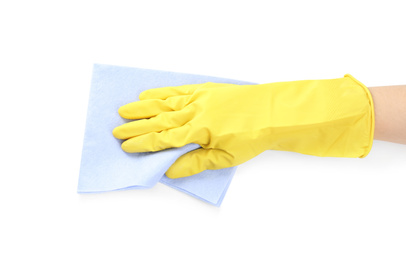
(123, 111)
(143, 95)
(174, 172)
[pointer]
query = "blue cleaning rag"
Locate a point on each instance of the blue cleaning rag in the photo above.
(105, 167)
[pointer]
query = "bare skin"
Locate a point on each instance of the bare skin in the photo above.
(390, 113)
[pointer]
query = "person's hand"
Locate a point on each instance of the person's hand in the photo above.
(234, 123)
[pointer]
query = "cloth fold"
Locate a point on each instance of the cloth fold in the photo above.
(105, 167)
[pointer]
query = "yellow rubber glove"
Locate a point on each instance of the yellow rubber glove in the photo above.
(234, 123)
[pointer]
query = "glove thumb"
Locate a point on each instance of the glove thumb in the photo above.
(199, 160)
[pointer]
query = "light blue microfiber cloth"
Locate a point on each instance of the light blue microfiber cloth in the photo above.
(106, 167)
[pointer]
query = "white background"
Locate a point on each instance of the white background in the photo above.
(280, 205)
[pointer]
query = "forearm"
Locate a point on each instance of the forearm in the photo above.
(390, 113)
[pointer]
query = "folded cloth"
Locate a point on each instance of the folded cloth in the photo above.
(106, 167)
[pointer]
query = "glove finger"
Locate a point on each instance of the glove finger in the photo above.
(154, 141)
(166, 92)
(199, 160)
(151, 107)
(163, 121)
